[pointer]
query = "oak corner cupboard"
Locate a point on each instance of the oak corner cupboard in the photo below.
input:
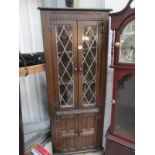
(75, 45)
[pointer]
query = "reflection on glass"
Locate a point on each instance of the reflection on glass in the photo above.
(127, 40)
(125, 109)
(89, 62)
(65, 65)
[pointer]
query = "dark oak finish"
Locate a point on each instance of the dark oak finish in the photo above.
(75, 44)
(75, 9)
(120, 136)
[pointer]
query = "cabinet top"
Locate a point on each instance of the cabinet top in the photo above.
(74, 9)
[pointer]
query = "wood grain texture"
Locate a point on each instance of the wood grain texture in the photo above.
(75, 128)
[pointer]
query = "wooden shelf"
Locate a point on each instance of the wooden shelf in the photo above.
(24, 71)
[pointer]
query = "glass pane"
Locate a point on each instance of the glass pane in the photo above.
(65, 65)
(125, 109)
(127, 40)
(90, 39)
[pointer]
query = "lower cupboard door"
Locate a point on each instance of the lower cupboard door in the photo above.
(87, 131)
(66, 133)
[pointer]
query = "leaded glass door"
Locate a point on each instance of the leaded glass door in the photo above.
(76, 53)
(65, 61)
(64, 53)
(89, 54)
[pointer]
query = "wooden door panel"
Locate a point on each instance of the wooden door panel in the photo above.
(88, 130)
(68, 144)
(66, 133)
(123, 111)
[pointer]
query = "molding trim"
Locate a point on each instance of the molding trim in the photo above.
(83, 16)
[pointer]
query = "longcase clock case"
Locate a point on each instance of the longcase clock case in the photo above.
(75, 44)
(121, 134)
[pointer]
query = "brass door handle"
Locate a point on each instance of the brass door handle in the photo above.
(75, 69)
(113, 101)
(80, 69)
(78, 133)
(80, 47)
(117, 44)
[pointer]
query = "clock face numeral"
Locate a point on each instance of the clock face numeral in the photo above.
(127, 46)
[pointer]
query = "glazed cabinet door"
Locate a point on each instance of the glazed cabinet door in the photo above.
(123, 120)
(64, 50)
(89, 62)
(64, 54)
(89, 65)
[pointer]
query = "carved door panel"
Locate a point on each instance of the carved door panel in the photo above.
(67, 127)
(88, 131)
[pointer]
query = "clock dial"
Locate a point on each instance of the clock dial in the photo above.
(127, 47)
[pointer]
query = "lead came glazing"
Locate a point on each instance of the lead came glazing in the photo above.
(89, 62)
(65, 65)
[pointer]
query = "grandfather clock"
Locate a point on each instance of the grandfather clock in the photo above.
(121, 134)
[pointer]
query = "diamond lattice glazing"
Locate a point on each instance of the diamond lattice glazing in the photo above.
(65, 65)
(89, 64)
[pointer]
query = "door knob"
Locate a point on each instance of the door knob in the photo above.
(80, 47)
(75, 69)
(113, 101)
(80, 69)
(117, 44)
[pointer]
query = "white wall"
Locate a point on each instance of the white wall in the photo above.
(91, 3)
(115, 5)
(30, 35)
(33, 88)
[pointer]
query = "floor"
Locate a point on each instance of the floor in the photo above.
(48, 147)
